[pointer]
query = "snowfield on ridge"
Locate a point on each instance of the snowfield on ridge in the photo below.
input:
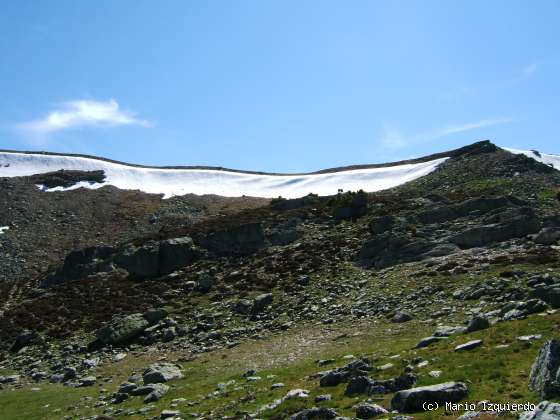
(173, 182)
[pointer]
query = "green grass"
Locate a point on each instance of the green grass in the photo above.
(548, 195)
(488, 186)
(498, 375)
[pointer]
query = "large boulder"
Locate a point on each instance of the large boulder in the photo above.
(546, 410)
(236, 241)
(25, 339)
(479, 205)
(548, 236)
(520, 224)
(66, 178)
(157, 258)
(412, 400)
(122, 329)
(140, 262)
(545, 373)
(155, 315)
(381, 224)
(388, 249)
(81, 263)
(161, 372)
(284, 233)
(547, 293)
(176, 253)
(262, 301)
(350, 205)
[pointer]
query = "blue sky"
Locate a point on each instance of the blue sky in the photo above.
(277, 85)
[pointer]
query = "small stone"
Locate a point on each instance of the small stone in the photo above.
(323, 397)
(368, 411)
(469, 345)
(127, 387)
(87, 381)
(425, 342)
(477, 323)
(401, 317)
(161, 372)
(526, 338)
(158, 391)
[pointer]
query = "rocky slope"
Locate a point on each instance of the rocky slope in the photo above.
(100, 284)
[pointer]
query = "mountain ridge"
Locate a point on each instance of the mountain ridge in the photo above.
(241, 303)
(477, 147)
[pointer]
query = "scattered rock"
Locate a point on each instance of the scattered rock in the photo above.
(358, 385)
(411, 400)
(158, 391)
(261, 302)
(426, 341)
(546, 410)
(369, 411)
(166, 414)
(548, 236)
(545, 373)
(469, 345)
(87, 381)
(24, 339)
(161, 372)
(315, 413)
(122, 329)
(323, 397)
(477, 323)
(236, 241)
(401, 317)
(153, 316)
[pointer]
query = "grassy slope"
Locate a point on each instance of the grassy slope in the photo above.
(493, 374)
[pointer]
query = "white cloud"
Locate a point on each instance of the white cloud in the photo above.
(460, 128)
(81, 113)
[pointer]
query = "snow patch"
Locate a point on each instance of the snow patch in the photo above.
(173, 182)
(547, 159)
(3, 229)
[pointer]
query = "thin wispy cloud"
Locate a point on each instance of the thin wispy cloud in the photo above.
(520, 76)
(456, 93)
(460, 128)
(80, 114)
(530, 69)
(526, 73)
(392, 138)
